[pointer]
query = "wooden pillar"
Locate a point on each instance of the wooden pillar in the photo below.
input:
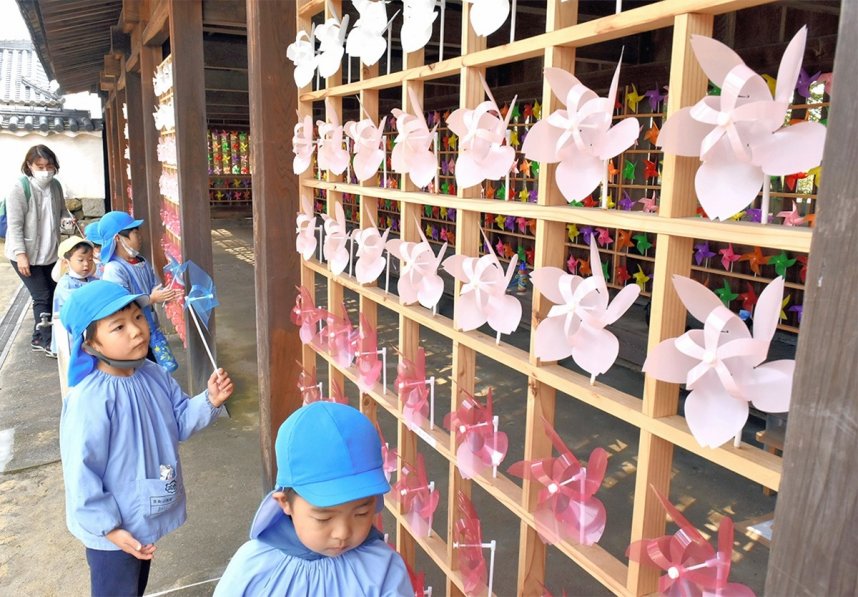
(189, 101)
(110, 141)
(150, 57)
(137, 150)
(815, 548)
(119, 133)
(270, 29)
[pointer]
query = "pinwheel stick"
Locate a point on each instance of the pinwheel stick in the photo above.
(605, 184)
(511, 39)
(495, 421)
(737, 441)
(387, 274)
(351, 254)
(443, 4)
(388, 47)
(321, 230)
(383, 352)
(203, 339)
(764, 205)
(431, 382)
(435, 141)
(491, 545)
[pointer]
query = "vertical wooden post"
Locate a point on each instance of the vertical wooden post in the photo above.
(815, 548)
(150, 57)
(121, 173)
(110, 141)
(673, 256)
(270, 29)
(189, 101)
(137, 150)
(550, 250)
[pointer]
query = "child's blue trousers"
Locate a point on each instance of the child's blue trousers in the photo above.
(116, 573)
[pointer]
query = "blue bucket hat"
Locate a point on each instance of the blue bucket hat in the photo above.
(330, 454)
(91, 302)
(92, 232)
(111, 224)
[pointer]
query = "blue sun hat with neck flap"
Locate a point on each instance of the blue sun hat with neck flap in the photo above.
(111, 224)
(91, 302)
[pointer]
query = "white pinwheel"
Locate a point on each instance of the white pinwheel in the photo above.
(418, 275)
(370, 259)
(576, 323)
(580, 137)
(368, 146)
(336, 237)
(332, 154)
(418, 16)
(487, 16)
(482, 134)
(366, 39)
(305, 223)
(722, 364)
(331, 35)
(412, 153)
(302, 144)
(739, 135)
(302, 53)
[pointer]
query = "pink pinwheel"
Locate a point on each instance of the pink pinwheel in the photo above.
(417, 496)
(306, 315)
(483, 297)
(691, 565)
(302, 144)
(580, 137)
(412, 388)
(370, 253)
(567, 509)
(332, 155)
(368, 146)
(482, 135)
(338, 337)
(412, 152)
(389, 456)
(418, 280)
(578, 319)
(468, 539)
(336, 237)
(308, 386)
(480, 447)
(365, 348)
(792, 218)
(305, 222)
(722, 364)
(739, 135)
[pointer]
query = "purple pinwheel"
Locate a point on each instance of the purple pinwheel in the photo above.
(702, 253)
(752, 214)
(586, 234)
(798, 310)
(655, 97)
(451, 214)
(805, 80)
(626, 202)
(445, 169)
(509, 224)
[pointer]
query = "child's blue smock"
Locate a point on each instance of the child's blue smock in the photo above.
(136, 278)
(64, 288)
(118, 436)
(275, 562)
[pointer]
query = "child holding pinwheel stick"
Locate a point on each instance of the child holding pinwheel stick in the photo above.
(124, 265)
(313, 535)
(120, 430)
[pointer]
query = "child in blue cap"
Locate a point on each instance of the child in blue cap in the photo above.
(93, 234)
(120, 430)
(313, 535)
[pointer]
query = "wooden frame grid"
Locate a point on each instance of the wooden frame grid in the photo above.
(661, 428)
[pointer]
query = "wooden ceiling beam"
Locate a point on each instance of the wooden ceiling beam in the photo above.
(157, 29)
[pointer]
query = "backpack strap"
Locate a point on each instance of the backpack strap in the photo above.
(25, 183)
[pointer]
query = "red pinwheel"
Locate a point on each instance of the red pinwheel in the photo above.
(567, 509)
(480, 446)
(412, 388)
(417, 496)
(468, 539)
(418, 581)
(308, 386)
(365, 349)
(306, 315)
(389, 456)
(693, 567)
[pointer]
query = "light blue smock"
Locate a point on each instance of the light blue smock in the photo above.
(64, 288)
(136, 278)
(275, 562)
(119, 442)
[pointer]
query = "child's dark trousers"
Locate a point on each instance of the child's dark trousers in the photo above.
(116, 573)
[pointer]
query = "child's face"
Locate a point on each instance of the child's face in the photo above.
(123, 335)
(81, 261)
(96, 252)
(134, 240)
(329, 531)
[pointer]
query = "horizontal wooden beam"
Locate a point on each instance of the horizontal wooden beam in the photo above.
(227, 13)
(226, 80)
(225, 54)
(157, 29)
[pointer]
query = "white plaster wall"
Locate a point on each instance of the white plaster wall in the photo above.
(81, 160)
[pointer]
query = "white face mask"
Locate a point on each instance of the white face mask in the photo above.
(131, 252)
(43, 177)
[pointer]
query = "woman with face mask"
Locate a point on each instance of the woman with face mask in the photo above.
(34, 207)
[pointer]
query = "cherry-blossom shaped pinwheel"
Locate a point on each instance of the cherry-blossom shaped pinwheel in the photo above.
(368, 146)
(365, 348)
(370, 254)
(331, 35)
(482, 135)
(418, 16)
(483, 297)
(739, 136)
(366, 39)
(308, 386)
(487, 16)
(691, 565)
(479, 447)
(305, 223)
(332, 154)
(412, 388)
(389, 456)
(722, 364)
(338, 337)
(580, 137)
(412, 152)
(577, 321)
(418, 273)
(306, 315)
(567, 509)
(336, 236)
(302, 144)
(417, 496)
(468, 539)
(302, 52)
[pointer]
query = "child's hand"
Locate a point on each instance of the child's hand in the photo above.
(162, 295)
(220, 387)
(127, 543)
